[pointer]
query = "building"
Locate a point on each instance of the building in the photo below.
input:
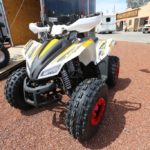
(75, 8)
(134, 19)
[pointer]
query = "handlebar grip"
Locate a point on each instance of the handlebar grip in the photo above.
(36, 29)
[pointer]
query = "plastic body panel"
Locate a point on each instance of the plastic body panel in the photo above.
(87, 50)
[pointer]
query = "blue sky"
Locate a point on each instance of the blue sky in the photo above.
(107, 6)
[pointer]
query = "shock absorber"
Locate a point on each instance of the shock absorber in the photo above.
(66, 80)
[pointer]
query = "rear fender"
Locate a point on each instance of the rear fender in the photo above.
(103, 49)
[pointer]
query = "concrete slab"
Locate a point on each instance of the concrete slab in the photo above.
(127, 36)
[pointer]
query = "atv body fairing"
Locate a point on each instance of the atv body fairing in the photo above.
(46, 60)
(64, 60)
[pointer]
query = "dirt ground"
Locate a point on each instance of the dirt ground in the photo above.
(125, 127)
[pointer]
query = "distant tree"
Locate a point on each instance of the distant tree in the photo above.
(136, 3)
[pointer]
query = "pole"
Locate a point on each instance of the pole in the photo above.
(83, 7)
(88, 7)
(43, 15)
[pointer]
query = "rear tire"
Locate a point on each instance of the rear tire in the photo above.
(86, 109)
(14, 90)
(113, 71)
(4, 57)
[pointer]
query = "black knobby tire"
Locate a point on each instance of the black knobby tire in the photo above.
(80, 108)
(113, 71)
(14, 90)
(6, 57)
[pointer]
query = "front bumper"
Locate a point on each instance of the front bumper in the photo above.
(35, 95)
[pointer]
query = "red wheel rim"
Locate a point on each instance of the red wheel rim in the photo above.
(98, 112)
(117, 71)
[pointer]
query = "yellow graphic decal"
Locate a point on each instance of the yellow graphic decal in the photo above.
(63, 53)
(66, 51)
(87, 43)
(49, 45)
(111, 46)
(36, 52)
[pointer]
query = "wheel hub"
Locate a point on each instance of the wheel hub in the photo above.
(98, 111)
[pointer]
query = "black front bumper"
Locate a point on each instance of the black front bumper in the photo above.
(33, 95)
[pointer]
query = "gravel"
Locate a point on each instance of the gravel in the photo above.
(126, 125)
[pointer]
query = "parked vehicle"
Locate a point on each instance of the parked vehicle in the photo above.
(107, 24)
(146, 28)
(71, 64)
(4, 45)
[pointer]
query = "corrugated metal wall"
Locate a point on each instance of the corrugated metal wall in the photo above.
(29, 12)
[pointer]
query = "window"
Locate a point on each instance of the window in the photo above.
(130, 22)
(143, 21)
(108, 19)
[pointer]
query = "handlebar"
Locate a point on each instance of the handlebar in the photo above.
(81, 25)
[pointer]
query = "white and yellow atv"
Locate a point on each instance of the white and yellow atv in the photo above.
(72, 63)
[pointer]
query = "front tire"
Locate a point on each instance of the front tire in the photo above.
(4, 57)
(86, 109)
(14, 90)
(113, 71)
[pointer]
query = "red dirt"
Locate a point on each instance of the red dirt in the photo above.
(126, 125)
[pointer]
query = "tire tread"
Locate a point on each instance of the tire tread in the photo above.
(80, 105)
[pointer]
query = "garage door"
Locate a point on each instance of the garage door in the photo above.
(19, 14)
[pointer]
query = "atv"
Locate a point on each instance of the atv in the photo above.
(4, 45)
(4, 56)
(71, 62)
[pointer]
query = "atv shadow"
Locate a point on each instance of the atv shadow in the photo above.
(145, 70)
(56, 107)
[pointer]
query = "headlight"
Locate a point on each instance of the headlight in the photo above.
(51, 71)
